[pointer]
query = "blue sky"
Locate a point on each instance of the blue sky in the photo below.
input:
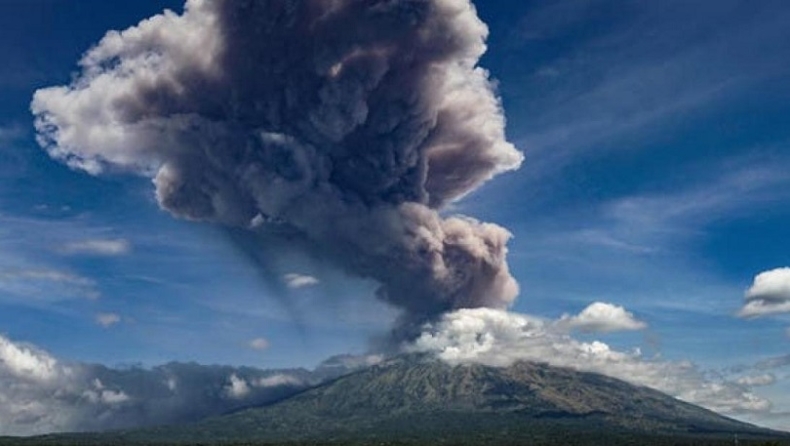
(656, 177)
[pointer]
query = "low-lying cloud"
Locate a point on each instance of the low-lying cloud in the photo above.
(41, 394)
(499, 338)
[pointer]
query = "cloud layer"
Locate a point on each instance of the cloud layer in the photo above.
(339, 127)
(41, 394)
(500, 338)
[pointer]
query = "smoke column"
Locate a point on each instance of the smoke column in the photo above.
(342, 126)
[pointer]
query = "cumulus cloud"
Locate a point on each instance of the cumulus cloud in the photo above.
(26, 362)
(295, 281)
(97, 247)
(41, 394)
(107, 320)
(769, 294)
(259, 344)
(499, 338)
(602, 317)
(340, 128)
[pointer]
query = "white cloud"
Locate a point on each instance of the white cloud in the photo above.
(40, 394)
(107, 320)
(237, 388)
(295, 281)
(101, 395)
(602, 317)
(259, 344)
(757, 380)
(49, 284)
(279, 379)
(769, 294)
(97, 247)
(500, 338)
(30, 382)
(350, 362)
(26, 362)
(48, 275)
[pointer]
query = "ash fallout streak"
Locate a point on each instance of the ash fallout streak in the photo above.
(344, 126)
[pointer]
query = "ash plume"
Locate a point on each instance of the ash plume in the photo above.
(343, 126)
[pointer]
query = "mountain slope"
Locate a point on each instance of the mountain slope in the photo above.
(426, 398)
(419, 398)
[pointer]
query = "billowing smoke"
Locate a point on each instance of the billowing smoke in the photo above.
(341, 126)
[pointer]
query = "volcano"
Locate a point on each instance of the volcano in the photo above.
(417, 399)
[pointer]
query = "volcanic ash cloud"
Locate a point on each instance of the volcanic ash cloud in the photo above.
(344, 125)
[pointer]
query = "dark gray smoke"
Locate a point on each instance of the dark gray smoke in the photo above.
(342, 125)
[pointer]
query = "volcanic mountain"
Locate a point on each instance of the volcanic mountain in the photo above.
(417, 399)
